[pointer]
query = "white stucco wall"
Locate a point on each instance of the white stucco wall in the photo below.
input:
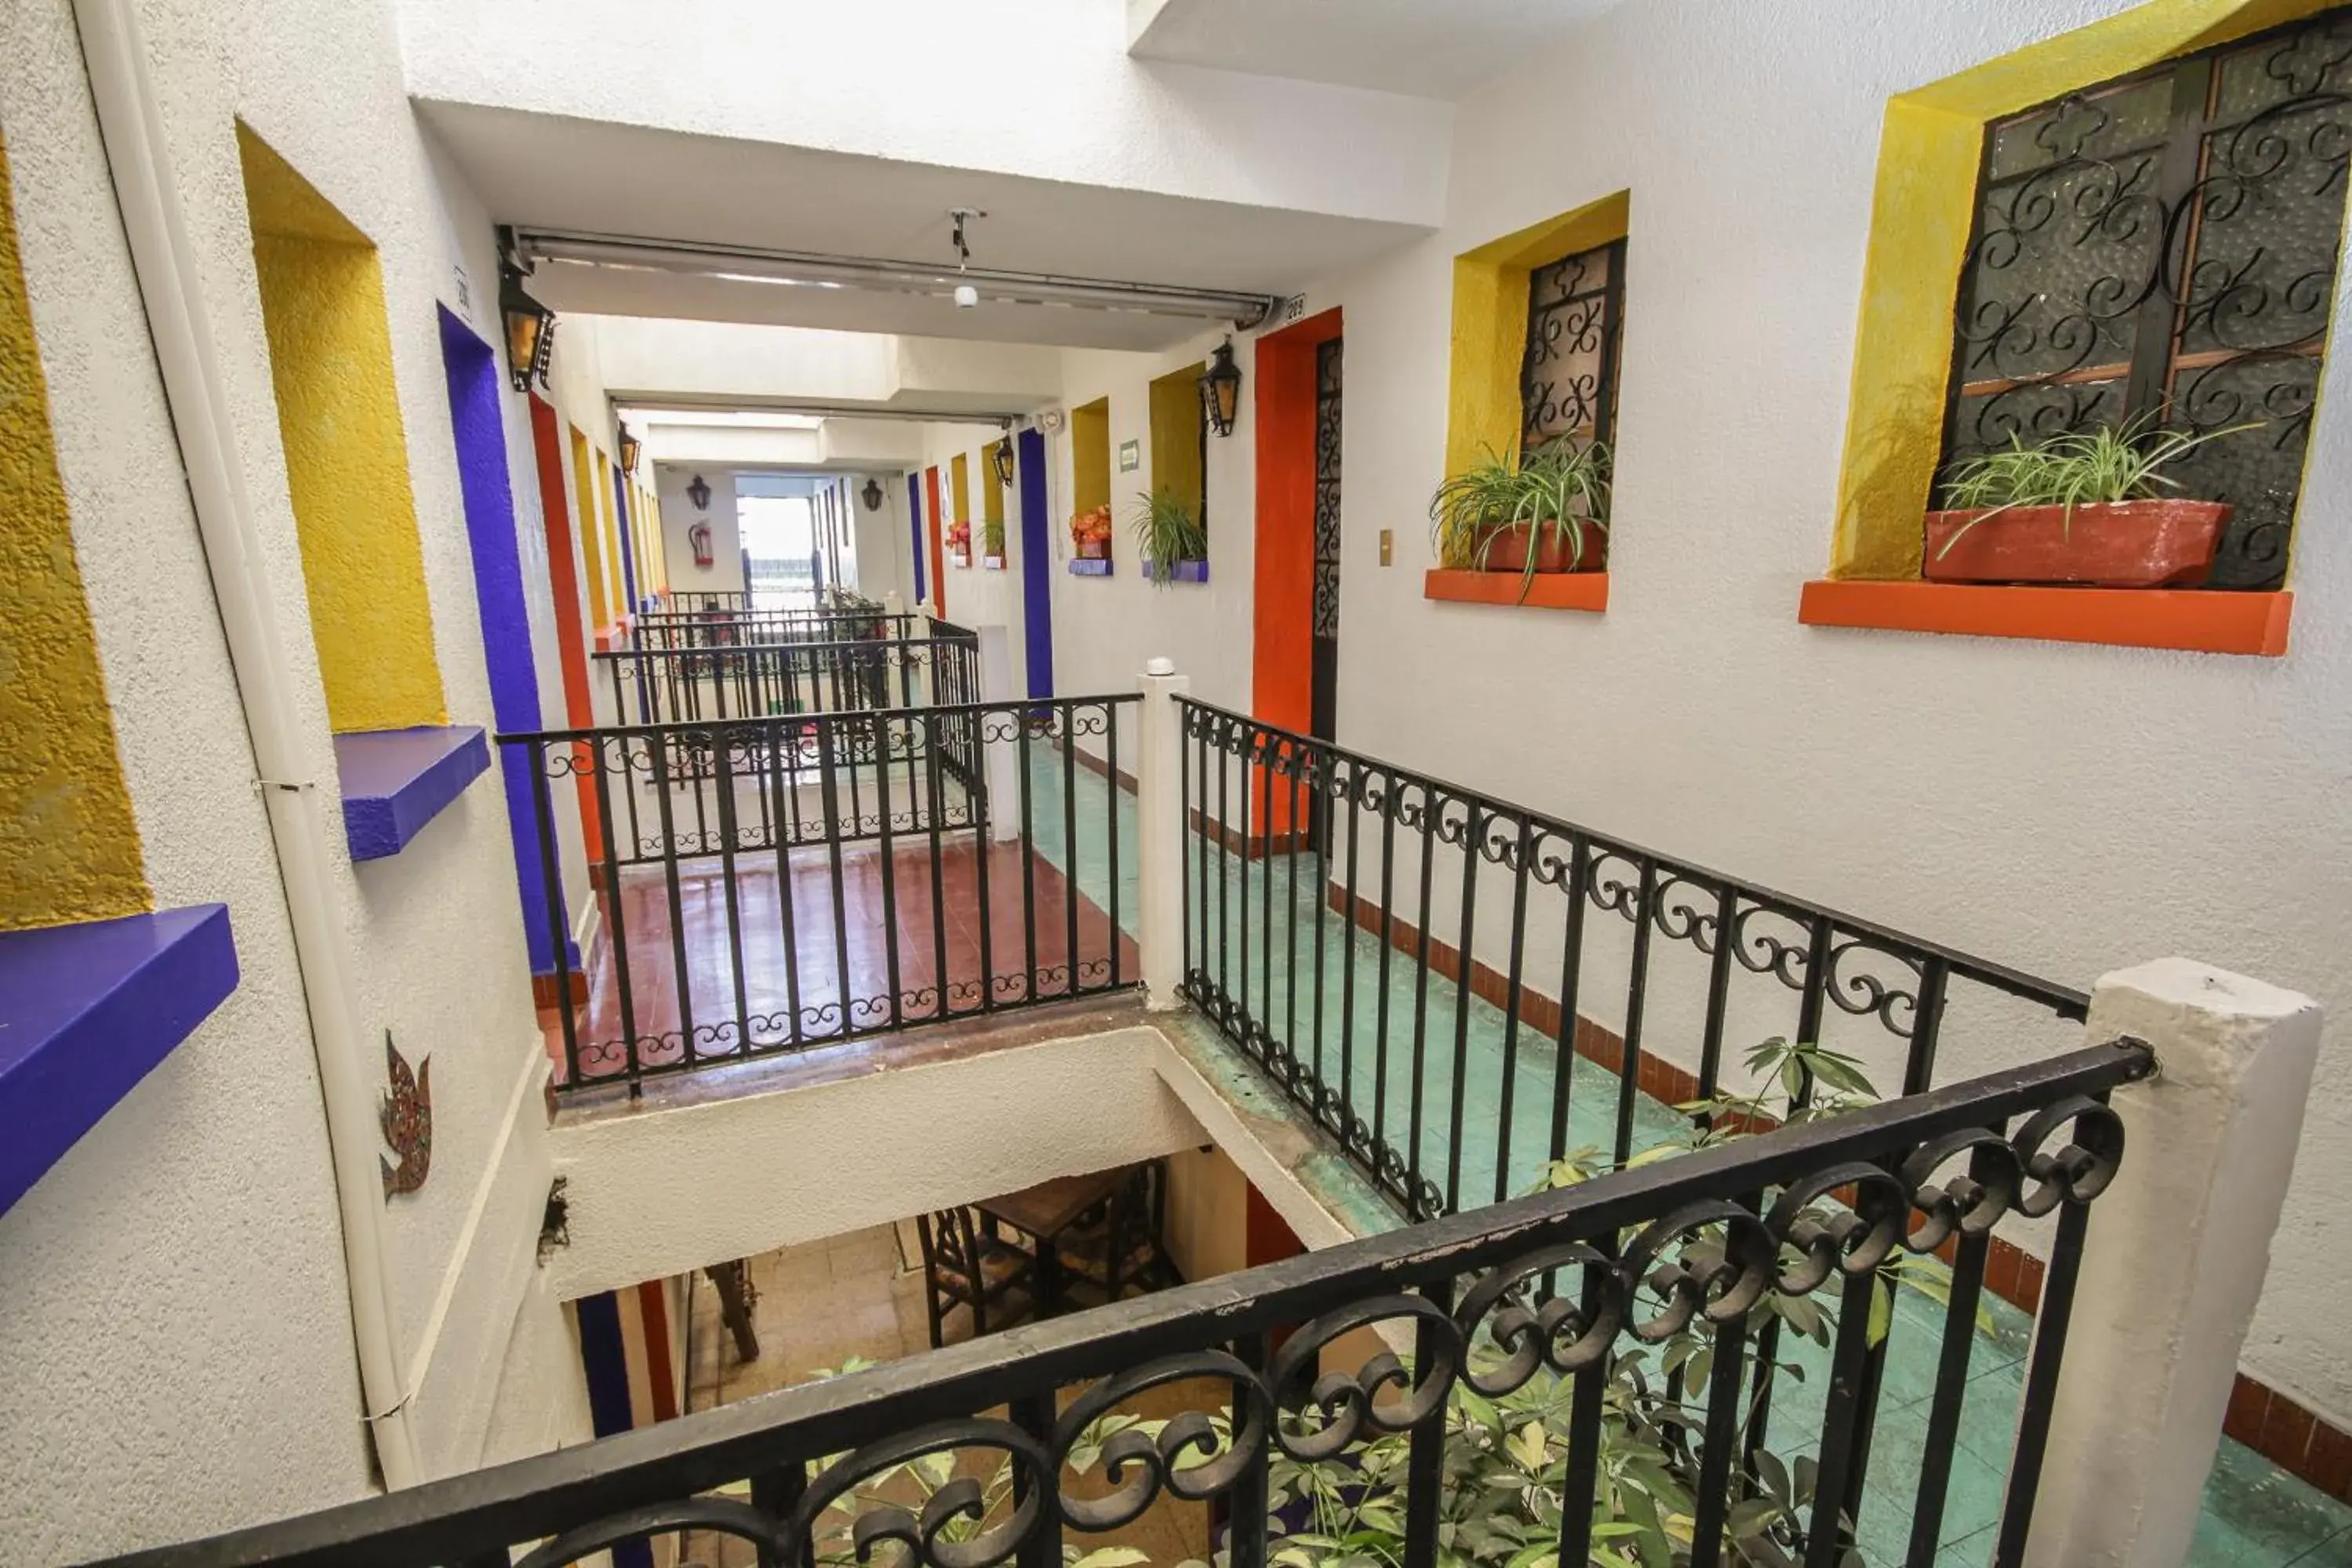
(2065, 809)
(179, 1275)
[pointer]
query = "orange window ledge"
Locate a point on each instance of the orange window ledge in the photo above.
(2193, 620)
(1549, 591)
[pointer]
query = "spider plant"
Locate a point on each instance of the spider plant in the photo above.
(1553, 487)
(991, 538)
(1167, 531)
(2077, 467)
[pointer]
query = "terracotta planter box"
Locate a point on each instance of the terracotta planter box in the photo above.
(2107, 544)
(1507, 549)
(1094, 549)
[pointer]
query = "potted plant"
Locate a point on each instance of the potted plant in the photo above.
(2085, 507)
(1549, 512)
(1090, 533)
(992, 545)
(1173, 543)
(958, 542)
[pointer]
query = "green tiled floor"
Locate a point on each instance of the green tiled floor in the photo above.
(2255, 1516)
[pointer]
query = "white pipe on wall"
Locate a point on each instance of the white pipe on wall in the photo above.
(130, 124)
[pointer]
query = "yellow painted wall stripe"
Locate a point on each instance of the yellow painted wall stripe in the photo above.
(346, 450)
(1490, 324)
(591, 543)
(991, 494)
(616, 589)
(1930, 150)
(68, 838)
(959, 488)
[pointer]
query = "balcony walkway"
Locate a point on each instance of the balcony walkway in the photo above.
(906, 953)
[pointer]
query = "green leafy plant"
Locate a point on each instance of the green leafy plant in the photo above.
(2075, 468)
(992, 538)
(1552, 487)
(1166, 532)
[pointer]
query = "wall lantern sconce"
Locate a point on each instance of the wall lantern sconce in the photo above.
(630, 448)
(872, 494)
(1004, 458)
(531, 329)
(698, 492)
(1221, 390)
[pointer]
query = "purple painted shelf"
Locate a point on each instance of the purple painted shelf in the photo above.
(1185, 572)
(396, 781)
(1086, 566)
(86, 1011)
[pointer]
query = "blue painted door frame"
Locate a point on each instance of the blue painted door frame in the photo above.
(1037, 562)
(915, 526)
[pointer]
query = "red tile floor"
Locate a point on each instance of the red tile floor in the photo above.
(895, 938)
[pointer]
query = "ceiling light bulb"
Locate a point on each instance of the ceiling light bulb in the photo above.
(966, 296)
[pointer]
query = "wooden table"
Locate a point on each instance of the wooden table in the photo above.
(1045, 1211)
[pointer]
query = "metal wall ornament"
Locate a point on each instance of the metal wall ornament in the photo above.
(872, 494)
(1002, 456)
(698, 492)
(1568, 376)
(2163, 249)
(407, 1116)
(631, 447)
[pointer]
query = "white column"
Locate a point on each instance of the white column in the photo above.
(1160, 823)
(2173, 1259)
(1001, 762)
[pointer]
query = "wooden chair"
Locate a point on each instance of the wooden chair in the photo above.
(965, 1265)
(1118, 1250)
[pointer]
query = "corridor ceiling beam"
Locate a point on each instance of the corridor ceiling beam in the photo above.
(785, 268)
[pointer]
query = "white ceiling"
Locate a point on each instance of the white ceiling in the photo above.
(1429, 48)
(553, 172)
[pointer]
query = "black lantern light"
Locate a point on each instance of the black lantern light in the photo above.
(1003, 457)
(698, 492)
(630, 448)
(1221, 390)
(531, 329)
(872, 493)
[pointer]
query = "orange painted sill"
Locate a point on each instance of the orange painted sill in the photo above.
(2190, 619)
(1550, 591)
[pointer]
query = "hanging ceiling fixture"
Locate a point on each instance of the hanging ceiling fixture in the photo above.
(802, 269)
(1221, 390)
(630, 448)
(530, 325)
(872, 493)
(966, 296)
(1003, 459)
(698, 492)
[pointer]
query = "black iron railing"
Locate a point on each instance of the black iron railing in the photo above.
(656, 685)
(1429, 1006)
(730, 629)
(765, 885)
(1516, 1323)
(706, 599)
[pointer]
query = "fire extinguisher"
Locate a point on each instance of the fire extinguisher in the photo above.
(699, 537)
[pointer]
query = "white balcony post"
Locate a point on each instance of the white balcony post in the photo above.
(2172, 1260)
(1160, 823)
(1000, 764)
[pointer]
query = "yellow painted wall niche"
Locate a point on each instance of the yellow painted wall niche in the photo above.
(1490, 324)
(68, 838)
(1177, 468)
(960, 487)
(591, 536)
(1922, 210)
(1090, 455)
(346, 451)
(618, 587)
(992, 493)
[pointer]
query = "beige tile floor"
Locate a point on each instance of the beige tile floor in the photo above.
(862, 1295)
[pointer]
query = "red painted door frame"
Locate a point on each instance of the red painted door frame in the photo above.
(1282, 651)
(570, 620)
